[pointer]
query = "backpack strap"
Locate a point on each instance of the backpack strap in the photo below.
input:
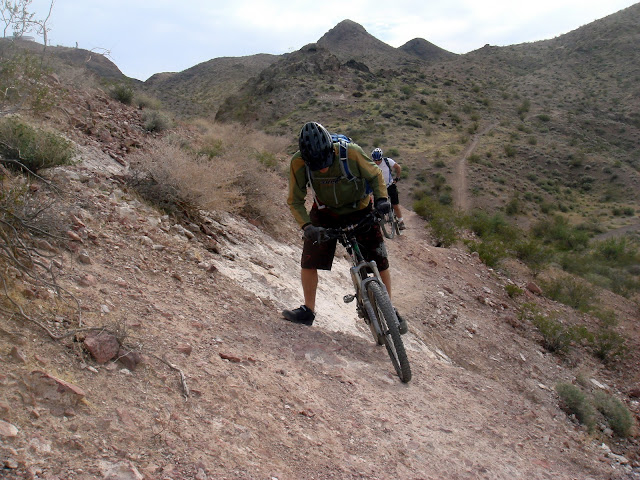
(310, 187)
(344, 160)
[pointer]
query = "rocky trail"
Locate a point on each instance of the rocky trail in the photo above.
(200, 315)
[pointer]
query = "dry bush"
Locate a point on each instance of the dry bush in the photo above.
(220, 167)
(169, 175)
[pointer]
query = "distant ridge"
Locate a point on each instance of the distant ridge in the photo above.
(349, 40)
(426, 51)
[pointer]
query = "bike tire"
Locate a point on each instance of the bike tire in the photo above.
(387, 226)
(386, 316)
(396, 225)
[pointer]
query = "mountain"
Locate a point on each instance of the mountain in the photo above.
(92, 62)
(546, 127)
(199, 90)
(350, 41)
(426, 51)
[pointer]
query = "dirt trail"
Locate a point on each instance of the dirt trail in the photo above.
(269, 399)
(459, 182)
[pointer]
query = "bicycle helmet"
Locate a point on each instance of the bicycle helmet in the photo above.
(377, 154)
(316, 146)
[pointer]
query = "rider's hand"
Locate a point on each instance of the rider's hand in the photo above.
(315, 234)
(383, 206)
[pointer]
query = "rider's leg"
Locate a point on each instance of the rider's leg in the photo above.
(386, 279)
(309, 279)
(396, 209)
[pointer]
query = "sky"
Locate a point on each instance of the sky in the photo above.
(144, 37)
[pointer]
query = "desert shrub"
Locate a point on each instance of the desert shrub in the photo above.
(532, 253)
(510, 150)
(142, 101)
(172, 177)
(156, 121)
(608, 345)
(211, 147)
(513, 290)
(22, 145)
(570, 291)
(444, 222)
(556, 337)
(122, 92)
(616, 413)
(21, 82)
(491, 251)
(559, 233)
(575, 402)
(267, 159)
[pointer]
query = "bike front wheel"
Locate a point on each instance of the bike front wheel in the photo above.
(388, 226)
(388, 321)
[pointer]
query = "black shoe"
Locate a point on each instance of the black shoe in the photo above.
(402, 324)
(302, 315)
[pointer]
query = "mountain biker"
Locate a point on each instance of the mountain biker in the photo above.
(338, 201)
(391, 171)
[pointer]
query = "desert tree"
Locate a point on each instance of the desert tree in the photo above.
(17, 18)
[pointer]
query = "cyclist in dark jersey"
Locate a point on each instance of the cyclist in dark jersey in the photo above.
(338, 201)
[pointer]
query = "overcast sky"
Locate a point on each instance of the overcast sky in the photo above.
(144, 37)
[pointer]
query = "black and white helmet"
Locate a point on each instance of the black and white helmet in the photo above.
(316, 146)
(376, 154)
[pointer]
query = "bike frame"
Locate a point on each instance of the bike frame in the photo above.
(362, 273)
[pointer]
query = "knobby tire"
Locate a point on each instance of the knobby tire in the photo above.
(388, 226)
(388, 321)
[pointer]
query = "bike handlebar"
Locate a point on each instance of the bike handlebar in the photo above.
(369, 219)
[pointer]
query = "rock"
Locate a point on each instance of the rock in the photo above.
(8, 430)
(87, 281)
(58, 393)
(533, 288)
(102, 346)
(129, 358)
(83, 257)
(17, 355)
(121, 471)
(74, 236)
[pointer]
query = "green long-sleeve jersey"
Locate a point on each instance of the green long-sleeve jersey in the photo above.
(332, 189)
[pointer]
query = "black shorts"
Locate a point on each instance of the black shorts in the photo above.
(320, 255)
(392, 190)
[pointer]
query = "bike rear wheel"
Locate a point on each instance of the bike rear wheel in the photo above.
(388, 321)
(388, 226)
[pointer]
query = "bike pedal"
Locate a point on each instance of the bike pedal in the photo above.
(348, 298)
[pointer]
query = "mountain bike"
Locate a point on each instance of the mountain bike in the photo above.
(389, 222)
(390, 225)
(373, 302)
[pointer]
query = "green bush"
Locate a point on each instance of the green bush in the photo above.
(443, 220)
(490, 251)
(25, 146)
(570, 291)
(156, 121)
(123, 93)
(575, 402)
(615, 413)
(268, 159)
(608, 345)
(513, 290)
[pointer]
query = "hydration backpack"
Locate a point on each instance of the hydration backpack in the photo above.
(343, 142)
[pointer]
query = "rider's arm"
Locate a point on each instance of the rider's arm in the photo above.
(397, 169)
(298, 190)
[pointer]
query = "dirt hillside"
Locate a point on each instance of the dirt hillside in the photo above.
(242, 394)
